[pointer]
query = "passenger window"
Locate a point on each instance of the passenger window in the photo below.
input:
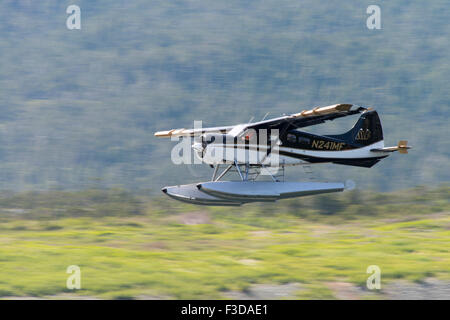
(292, 138)
(304, 140)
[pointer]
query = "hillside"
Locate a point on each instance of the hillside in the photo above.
(79, 108)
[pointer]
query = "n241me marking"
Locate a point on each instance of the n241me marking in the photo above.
(327, 145)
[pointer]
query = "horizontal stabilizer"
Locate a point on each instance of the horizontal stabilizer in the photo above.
(402, 147)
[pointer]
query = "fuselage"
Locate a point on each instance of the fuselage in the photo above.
(320, 149)
(355, 147)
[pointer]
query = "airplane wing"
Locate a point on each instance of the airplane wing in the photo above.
(298, 120)
(305, 118)
(191, 132)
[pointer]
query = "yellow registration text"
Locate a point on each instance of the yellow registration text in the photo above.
(327, 145)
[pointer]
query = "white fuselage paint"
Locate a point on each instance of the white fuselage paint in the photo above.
(218, 153)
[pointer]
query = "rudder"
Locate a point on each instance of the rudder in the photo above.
(366, 131)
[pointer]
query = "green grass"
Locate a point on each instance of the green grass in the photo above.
(154, 253)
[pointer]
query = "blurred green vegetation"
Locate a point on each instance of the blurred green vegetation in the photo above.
(134, 246)
(79, 108)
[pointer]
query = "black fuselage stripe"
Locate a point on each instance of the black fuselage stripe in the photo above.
(306, 157)
(301, 156)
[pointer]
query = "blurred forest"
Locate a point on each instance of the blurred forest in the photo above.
(79, 107)
(326, 208)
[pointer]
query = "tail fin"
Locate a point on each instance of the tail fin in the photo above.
(366, 131)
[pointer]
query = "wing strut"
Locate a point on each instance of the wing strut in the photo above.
(239, 170)
(215, 172)
(224, 172)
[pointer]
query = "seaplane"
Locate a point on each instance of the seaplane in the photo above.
(257, 150)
